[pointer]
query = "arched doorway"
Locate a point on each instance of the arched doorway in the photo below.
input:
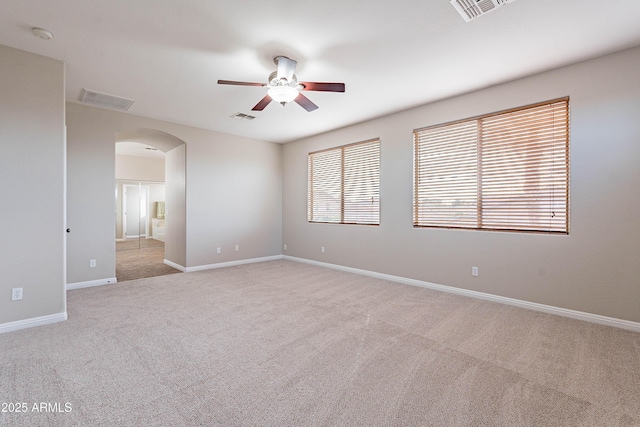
(172, 224)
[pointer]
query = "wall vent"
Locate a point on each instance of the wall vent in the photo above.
(242, 116)
(471, 9)
(105, 100)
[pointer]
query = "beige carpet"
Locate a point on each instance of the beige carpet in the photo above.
(138, 258)
(287, 344)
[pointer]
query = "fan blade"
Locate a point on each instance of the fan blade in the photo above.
(305, 103)
(286, 67)
(231, 82)
(324, 87)
(263, 103)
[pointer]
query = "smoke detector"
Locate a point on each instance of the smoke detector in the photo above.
(471, 9)
(41, 33)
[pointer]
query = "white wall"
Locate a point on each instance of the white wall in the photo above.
(135, 168)
(32, 157)
(234, 197)
(175, 247)
(593, 269)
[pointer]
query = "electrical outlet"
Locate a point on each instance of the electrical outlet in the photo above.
(474, 271)
(92, 263)
(322, 249)
(285, 246)
(218, 250)
(16, 294)
(237, 247)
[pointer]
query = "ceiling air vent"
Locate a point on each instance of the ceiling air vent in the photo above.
(471, 9)
(105, 100)
(242, 116)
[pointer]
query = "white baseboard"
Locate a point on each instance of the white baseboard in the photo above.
(231, 263)
(174, 265)
(565, 312)
(90, 283)
(34, 321)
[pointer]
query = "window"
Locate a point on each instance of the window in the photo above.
(344, 184)
(505, 171)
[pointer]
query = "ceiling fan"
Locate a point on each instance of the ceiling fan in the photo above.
(284, 86)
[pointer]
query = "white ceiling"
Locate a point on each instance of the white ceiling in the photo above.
(392, 55)
(137, 149)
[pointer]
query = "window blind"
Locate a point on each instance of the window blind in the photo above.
(502, 171)
(344, 184)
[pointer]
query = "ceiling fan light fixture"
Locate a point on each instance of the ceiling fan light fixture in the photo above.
(283, 94)
(283, 86)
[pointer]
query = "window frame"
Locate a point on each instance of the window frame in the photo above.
(311, 190)
(418, 222)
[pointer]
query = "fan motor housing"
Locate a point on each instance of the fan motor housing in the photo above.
(273, 80)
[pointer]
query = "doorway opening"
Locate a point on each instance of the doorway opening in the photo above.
(140, 212)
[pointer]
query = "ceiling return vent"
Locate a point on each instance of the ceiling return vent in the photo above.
(242, 116)
(471, 9)
(104, 100)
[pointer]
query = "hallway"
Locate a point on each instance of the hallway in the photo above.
(137, 260)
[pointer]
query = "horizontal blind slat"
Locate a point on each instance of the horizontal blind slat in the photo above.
(348, 189)
(522, 155)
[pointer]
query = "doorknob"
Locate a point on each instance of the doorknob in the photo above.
(68, 230)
